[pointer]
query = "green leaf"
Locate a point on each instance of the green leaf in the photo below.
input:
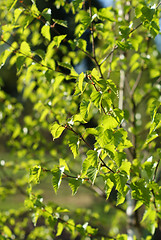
(106, 14)
(17, 131)
(109, 122)
(125, 166)
(96, 98)
(17, 13)
(4, 56)
(10, 4)
(82, 44)
(121, 180)
(148, 169)
(35, 174)
(75, 184)
(57, 177)
(57, 80)
(80, 81)
(92, 173)
(56, 130)
(84, 108)
(46, 13)
(147, 13)
(91, 160)
(58, 39)
(6, 232)
(63, 23)
(45, 31)
(25, 48)
(74, 144)
(124, 45)
(140, 191)
(124, 31)
(77, 4)
(35, 216)
(150, 138)
(60, 228)
(62, 163)
(108, 187)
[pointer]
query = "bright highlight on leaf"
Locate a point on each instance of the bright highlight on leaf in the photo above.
(45, 31)
(56, 130)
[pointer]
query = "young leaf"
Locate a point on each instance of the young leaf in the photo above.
(108, 187)
(58, 39)
(35, 174)
(60, 228)
(91, 160)
(45, 31)
(96, 98)
(121, 180)
(80, 81)
(62, 163)
(56, 130)
(92, 173)
(84, 108)
(74, 144)
(106, 14)
(61, 22)
(25, 48)
(140, 191)
(76, 4)
(75, 184)
(46, 13)
(147, 13)
(109, 122)
(58, 79)
(57, 177)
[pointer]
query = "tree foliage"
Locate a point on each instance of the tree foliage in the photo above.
(97, 128)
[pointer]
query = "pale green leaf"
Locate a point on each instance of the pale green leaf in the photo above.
(57, 177)
(17, 131)
(82, 44)
(56, 130)
(4, 57)
(74, 144)
(84, 108)
(92, 173)
(6, 232)
(58, 39)
(80, 81)
(109, 122)
(76, 4)
(106, 14)
(91, 160)
(35, 174)
(60, 228)
(108, 187)
(63, 163)
(17, 13)
(25, 48)
(58, 79)
(140, 191)
(125, 166)
(96, 98)
(74, 184)
(121, 180)
(45, 31)
(61, 22)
